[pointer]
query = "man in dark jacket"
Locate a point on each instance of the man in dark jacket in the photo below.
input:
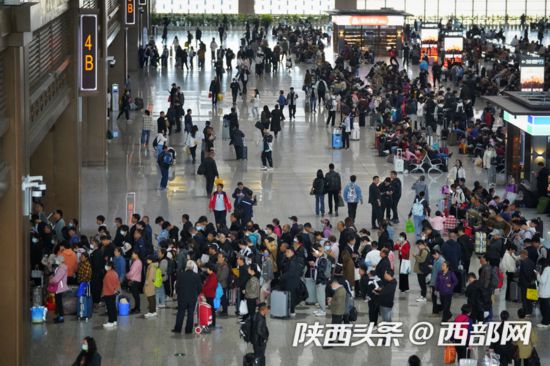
(452, 253)
(188, 288)
(291, 277)
(474, 295)
(333, 188)
(386, 294)
(260, 334)
(527, 278)
(396, 195)
(209, 169)
(467, 248)
(384, 264)
(376, 202)
(243, 278)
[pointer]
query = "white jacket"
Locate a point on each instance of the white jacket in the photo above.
(487, 156)
(544, 283)
(508, 263)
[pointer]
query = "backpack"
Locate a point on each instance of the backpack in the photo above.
(425, 266)
(328, 268)
(328, 103)
(321, 88)
(158, 278)
(168, 159)
(352, 194)
(418, 208)
(172, 266)
(246, 330)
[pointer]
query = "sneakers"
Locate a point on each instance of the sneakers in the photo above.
(59, 319)
(109, 325)
(161, 306)
(421, 299)
(270, 169)
(263, 168)
(292, 315)
(150, 315)
(543, 326)
(320, 313)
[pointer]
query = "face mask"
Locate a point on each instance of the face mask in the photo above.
(327, 247)
(107, 268)
(123, 233)
(401, 238)
(35, 240)
(200, 228)
(84, 347)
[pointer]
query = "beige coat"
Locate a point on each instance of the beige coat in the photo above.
(338, 302)
(149, 285)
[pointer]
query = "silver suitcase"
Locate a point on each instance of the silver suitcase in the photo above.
(280, 304)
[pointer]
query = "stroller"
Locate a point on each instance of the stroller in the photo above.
(204, 316)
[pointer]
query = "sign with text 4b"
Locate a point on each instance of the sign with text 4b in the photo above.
(87, 55)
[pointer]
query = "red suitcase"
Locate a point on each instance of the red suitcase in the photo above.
(204, 316)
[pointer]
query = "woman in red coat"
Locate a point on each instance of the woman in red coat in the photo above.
(220, 205)
(209, 289)
(404, 248)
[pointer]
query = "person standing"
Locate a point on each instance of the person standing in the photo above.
(235, 90)
(162, 124)
(386, 295)
(418, 212)
(386, 195)
(148, 126)
(318, 190)
(214, 90)
(267, 150)
(445, 284)
(291, 100)
(223, 278)
(256, 104)
(527, 278)
(58, 285)
(213, 48)
(134, 280)
(188, 288)
(282, 101)
(333, 188)
(421, 268)
(346, 130)
(376, 203)
(338, 302)
(209, 289)
(260, 335)
(276, 117)
(543, 277)
(125, 105)
(323, 273)
(396, 188)
(164, 161)
(252, 290)
(149, 286)
(111, 286)
(220, 205)
(331, 107)
(402, 245)
(352, 196)
(209, 169)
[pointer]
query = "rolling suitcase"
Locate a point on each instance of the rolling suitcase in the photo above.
(280, 304)
(337, 142)
(84, 307)
(480, 242)
(515, 294)
(311, 291)
(355, 134)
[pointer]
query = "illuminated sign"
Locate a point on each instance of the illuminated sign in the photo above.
(87, 45)
(533, 125)
(532, 74)
(368, 20)
(453, 45)
(429, 35)
(130, 12)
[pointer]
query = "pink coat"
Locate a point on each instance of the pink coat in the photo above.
(60, 279)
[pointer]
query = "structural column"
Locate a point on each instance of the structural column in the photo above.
(14, 308)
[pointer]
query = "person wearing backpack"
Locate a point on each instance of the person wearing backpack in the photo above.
(282, 101)
(166, 266)
(152, 279)
(323, 273)
(164, 161)
(419, 211)
(352, 196)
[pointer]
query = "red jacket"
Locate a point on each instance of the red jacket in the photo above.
(212, 203)
(210, 286)
(404, 249)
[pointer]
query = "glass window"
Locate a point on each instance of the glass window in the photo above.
(292, 6)
(415, 7)
(535, 8)
(464, 8)
(516, 7)
(432, 7)
(375, 4)
(396, 4)
(479, 8)
(446, 8)
(197, 6)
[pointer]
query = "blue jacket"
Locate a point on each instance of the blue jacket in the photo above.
(119, 264)
(358, 194)
(436, 268)
(451, 250)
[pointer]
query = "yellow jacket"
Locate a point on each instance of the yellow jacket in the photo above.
(524, 351)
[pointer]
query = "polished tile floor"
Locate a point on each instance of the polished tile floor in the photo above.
(302, 147)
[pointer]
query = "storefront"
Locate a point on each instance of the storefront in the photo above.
(373, 30)
(527, 121)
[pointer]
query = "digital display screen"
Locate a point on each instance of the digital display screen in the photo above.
(88, 52)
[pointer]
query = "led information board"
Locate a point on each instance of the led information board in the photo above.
(87, 60)
(130, 12)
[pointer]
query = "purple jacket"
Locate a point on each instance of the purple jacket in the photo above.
(446, 283)
(60, 278)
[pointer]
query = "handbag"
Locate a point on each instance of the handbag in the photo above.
(243, 308)
(449, 355)
(209, 95)
(312, 191)
(340, 201)
(409, 226)
(532, 294)
(405, 267)
(52, 288)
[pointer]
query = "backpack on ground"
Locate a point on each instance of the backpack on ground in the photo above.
(246, 330)
(158, 278)
(418, 208)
